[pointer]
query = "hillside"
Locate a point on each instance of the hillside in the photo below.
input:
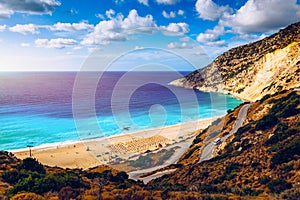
(262, 158)
(260, 161)
(251, 71)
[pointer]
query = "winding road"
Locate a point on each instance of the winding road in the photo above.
(207, 152)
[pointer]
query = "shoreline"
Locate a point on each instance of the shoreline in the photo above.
(94, 152)
(74, 142)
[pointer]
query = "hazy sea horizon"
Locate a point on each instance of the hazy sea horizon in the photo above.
(37, 108)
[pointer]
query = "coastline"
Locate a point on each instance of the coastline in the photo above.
(94, 152)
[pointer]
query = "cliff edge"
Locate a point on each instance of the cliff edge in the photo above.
(254, 70)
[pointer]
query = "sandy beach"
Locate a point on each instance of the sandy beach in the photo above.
(87, 154)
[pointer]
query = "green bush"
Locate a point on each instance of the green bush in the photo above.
(31, 164)
(288, 153)
(281, 133)
(264, 180)
(266, 122)
(232, 167)
(279, 185)
(286, 106)
(51, 182)
(231, 119)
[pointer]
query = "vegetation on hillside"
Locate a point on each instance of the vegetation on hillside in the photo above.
(261, 159)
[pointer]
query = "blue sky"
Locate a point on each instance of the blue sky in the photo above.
(52, 35)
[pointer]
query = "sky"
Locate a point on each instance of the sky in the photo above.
(61, 35)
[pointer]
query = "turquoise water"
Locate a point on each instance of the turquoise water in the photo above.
(41, 108)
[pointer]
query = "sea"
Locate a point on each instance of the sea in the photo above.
(46, 108)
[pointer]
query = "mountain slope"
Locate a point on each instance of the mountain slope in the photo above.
(251, 71)
(262, 158)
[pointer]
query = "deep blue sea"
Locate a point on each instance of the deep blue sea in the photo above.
(42, 108)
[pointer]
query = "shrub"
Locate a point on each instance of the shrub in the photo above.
(286, 106)
(279, 185)
(288, 153)
(282, 132)
(232, 167)
(266, 122)
(31, 164)
(231, 119)
(264, 180)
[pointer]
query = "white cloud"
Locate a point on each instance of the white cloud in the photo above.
(172, 14)
(71, 27)
(138, 48)
(145, 2)
(167, 2)
(137, 23)
(185, 39)
(5, 13)
(117, 28)
(77, 48)
(175, 29)
(263, 16)
(212, 37)
(3, 28)
(58, 43)
(25, 45)
(93, 49)
(25, 29)
(100, 16)
(180, 12)
(218, 43)
(209, 10)
(9, 7)
(183, 45)
(110, 13)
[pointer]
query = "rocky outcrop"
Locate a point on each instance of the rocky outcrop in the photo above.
(251, 71)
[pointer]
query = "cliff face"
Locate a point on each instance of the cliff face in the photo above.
(251, 71)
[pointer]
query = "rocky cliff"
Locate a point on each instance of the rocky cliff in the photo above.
(251, 71)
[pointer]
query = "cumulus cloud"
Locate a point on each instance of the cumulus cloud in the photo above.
(263, 16)
(167, 2)
(183, 45)
(110, 13)
(58, 43)
(3, 28)
(25, 29)
(211, 37)
(185, 39)
(180, 12)
(175, 29)
(117, 28)
(172, 14)
(145, 2)
(68, 27)
(4, 12)
(209, 10)
(9, 7)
